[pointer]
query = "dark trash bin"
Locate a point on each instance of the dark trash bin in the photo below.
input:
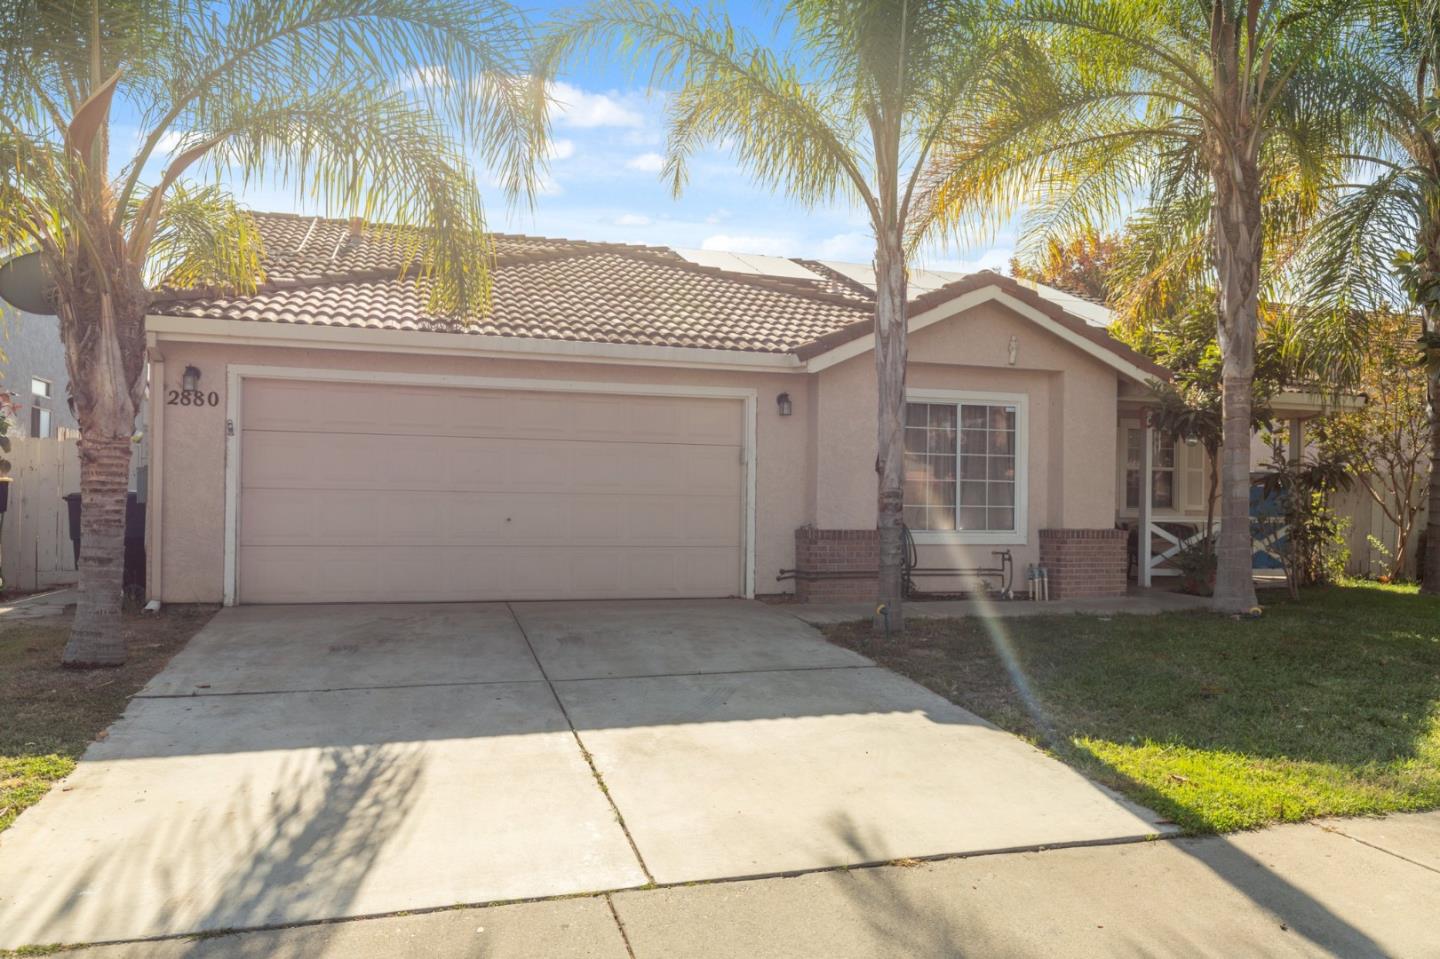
(134, 539)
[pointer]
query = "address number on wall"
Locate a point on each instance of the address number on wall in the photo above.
(191, 398)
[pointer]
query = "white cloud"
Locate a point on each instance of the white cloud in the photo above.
(996, 258)
(579, 108)
(561, 149)
(646, 163)
(854, 247)
(171, 139)
(763, 245)
(632, 219)
(425, 77)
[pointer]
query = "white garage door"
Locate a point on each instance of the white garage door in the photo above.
(352, 492)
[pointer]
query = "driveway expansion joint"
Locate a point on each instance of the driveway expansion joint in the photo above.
(589, 759)
(624, 936)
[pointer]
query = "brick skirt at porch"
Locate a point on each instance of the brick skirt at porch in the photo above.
(836, 565)
(1084, 562)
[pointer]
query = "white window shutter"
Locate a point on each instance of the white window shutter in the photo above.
(1194, 476)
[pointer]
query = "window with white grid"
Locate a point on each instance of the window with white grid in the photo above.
(964, 466)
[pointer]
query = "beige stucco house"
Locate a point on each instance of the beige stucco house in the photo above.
(628, 422)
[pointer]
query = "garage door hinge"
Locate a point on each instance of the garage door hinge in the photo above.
(229, 427)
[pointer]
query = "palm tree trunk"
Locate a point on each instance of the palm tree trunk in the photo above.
(1430, 279)
(1430, 578)
(105, 389)
(889, 462)
(1237, 226)
(96, 636)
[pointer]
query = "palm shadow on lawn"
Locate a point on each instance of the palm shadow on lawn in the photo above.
(1326, 705)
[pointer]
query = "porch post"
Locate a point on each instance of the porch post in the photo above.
(1147, 480)
(1297, 440)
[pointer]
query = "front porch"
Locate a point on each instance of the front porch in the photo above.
(1171, 513)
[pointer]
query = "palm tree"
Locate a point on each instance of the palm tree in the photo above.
(852, 111)
(362, 105)
(1219, 114)
(1389, 215)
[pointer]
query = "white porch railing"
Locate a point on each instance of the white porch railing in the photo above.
(1162, 563)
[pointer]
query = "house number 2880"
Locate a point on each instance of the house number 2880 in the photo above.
(191, 398)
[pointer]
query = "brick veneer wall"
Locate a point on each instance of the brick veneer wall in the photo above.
(1084, 562)
(854, 551)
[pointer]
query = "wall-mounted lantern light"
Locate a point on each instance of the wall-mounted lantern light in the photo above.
(783, 403)
(190, 380)
(1191, 439)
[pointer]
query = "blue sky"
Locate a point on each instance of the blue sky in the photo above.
(604, 181)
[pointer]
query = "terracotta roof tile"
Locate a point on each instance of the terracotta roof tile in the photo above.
(320, 273)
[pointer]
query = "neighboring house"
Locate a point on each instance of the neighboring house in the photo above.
(628, 423)
(32, 371)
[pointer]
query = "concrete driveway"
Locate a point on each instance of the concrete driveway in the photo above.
(303, 763)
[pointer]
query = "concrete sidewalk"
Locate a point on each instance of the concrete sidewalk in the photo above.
(1334, 888)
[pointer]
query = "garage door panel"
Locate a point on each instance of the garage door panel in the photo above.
(364, 408)
(380, 517)
(484, 494)
(351, 461)
(282, 574)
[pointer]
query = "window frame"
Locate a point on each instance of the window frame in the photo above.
(1127, 470)
(37, 415)
(47, 393)
(1020, 535)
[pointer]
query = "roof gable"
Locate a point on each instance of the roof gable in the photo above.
(981, 287)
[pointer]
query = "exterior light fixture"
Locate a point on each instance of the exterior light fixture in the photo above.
(1192, 440)
(190, 380)
(783, 402)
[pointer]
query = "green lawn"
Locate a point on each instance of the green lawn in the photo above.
(48, 715)
(1325, 706)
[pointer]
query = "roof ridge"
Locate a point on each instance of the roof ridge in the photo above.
(773, 284)
(495, 234)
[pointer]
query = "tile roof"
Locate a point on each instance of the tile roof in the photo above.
(320, 272)
(317, 273)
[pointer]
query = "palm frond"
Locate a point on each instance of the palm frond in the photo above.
(203, 239)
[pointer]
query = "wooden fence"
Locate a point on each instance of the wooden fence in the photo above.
(35, 549)
(1368, 519)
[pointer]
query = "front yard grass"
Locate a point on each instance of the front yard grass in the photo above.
(1329, 705)
(48, 715)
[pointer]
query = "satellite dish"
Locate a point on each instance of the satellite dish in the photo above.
(26, 285)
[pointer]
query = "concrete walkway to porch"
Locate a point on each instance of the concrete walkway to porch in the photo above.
(1137, 601)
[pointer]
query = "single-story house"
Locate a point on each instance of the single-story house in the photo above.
(631, 422)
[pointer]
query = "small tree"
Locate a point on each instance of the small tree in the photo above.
(1191, 405)
(1387, 441)
(1314, 550)
(1081, 266)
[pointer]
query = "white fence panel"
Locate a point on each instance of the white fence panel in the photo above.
(1368, 519)
(35, 548)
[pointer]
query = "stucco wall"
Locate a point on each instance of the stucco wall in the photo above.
(32, 347)
(816, 466)
(1071, 399)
